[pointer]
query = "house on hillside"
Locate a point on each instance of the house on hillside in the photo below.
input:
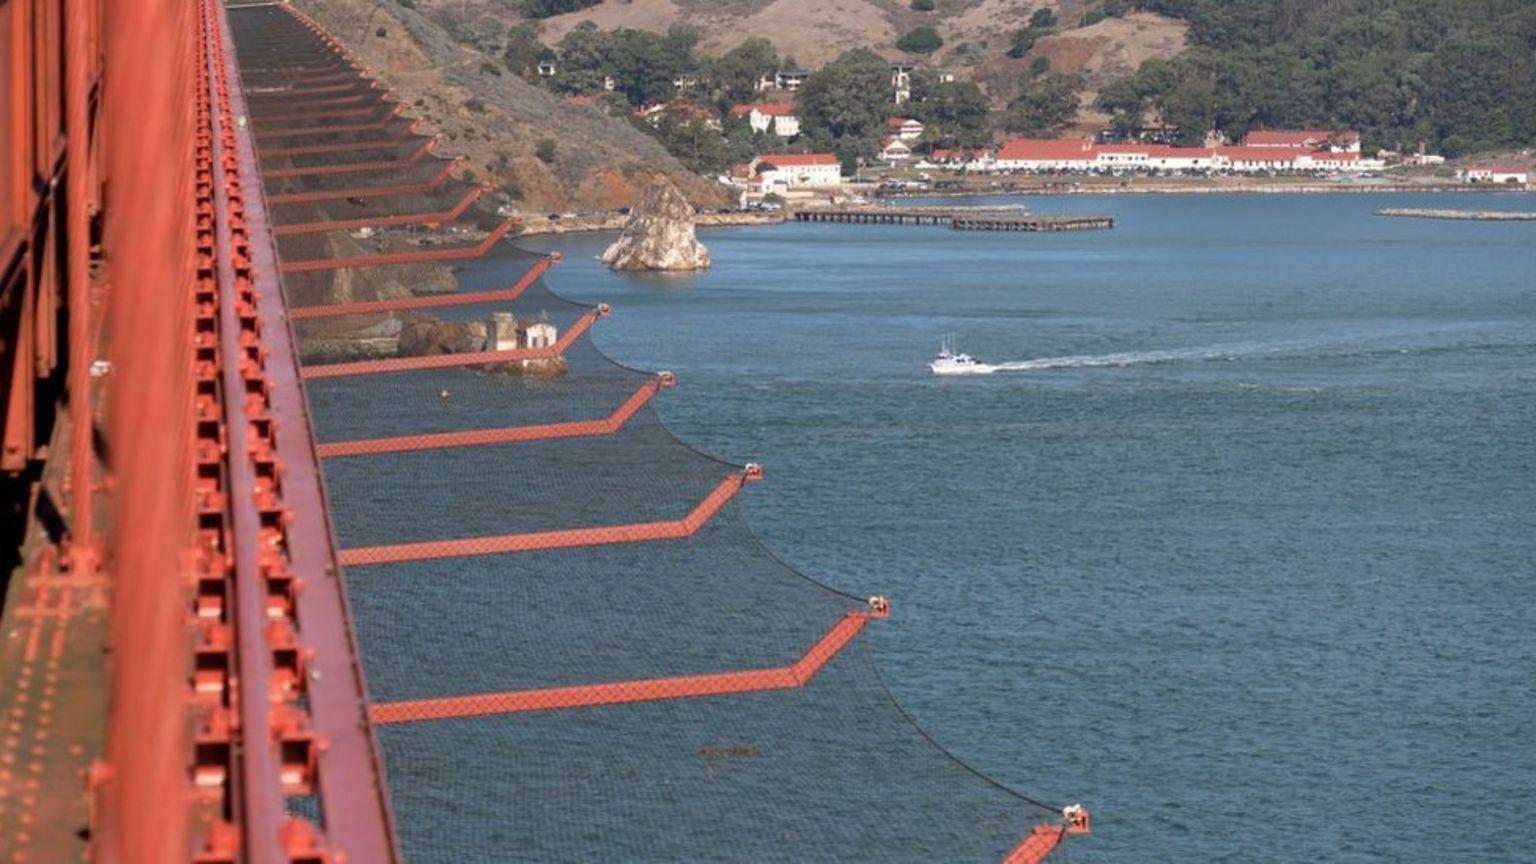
(1495, 174)
(679, 111)
(547, 68)
(791, 79)
(1311, 140)
(781, 120)
(895, 150)
(901, 80)
(904, 128)
(780, 172)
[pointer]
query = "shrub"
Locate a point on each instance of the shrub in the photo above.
(922, 5)
(1043, 19)
(381, 32)
(1023, 40)
(1092, 17)
(409, 4)
(545, 150)
(922, 40)
(1039, 66)
(1116, 8)
(475, 105)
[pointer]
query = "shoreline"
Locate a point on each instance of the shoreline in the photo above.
(540, 225)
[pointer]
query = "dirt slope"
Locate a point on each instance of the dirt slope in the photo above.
(496, 120)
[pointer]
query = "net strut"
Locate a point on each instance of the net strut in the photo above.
(797, 674)
(638, 532)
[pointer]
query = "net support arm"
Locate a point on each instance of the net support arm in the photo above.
(637, 532)
(797, 674)
(504, 435)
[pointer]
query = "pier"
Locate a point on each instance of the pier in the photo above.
(958, 218)
(1472, 215)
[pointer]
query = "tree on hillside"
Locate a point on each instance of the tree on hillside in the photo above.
(849, 100)
(546, 8)
(733, 77)
(583, 60)
(1457, 74)
(694, 142)
(524, 51)
(955, 114)
(920, 40)
(1044, 106)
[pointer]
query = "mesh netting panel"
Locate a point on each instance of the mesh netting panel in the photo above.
(829, 772)
(639, 474)
(708, 603)
(412, 403)
(386, 133)
(441, 198)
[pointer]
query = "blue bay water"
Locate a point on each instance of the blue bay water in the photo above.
(1246, 567)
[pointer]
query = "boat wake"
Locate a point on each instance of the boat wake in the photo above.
(1123, 358)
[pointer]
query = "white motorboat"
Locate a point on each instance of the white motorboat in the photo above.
(950, 363)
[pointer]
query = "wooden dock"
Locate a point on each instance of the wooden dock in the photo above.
(958, 218)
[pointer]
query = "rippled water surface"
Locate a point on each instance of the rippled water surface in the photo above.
(1238, 548)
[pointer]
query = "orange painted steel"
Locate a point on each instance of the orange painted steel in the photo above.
(368, 191)
(142, 797)
(797, 674)
(505, 435)
(301, 131)
(289, 603)
(438, 218)
(392, 258)
(415, 156)
(447, 361)
(468, 298)
(344, 147)
(640, 532)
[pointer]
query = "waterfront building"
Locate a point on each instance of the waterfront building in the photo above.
(1081, 154)
(777, 172)
(1495, 174)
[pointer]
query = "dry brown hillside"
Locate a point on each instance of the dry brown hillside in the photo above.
(496, 119)
(976, 32)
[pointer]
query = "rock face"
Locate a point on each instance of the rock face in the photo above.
(658, 235)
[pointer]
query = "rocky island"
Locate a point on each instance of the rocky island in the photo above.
(659, 235)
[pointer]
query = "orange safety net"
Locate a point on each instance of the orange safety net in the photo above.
(576, 646)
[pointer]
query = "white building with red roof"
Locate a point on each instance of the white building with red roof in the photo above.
(1080, 154)
(780, 119)
(777, 172)
(1310, 140)
(1495, 174)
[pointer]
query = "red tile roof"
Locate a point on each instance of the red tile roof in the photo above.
(1046, 149)
(795, 160)
(775, 109)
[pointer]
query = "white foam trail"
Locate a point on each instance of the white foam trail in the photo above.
(1127, 358)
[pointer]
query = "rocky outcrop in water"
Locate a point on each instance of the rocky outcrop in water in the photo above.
(658, 235)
